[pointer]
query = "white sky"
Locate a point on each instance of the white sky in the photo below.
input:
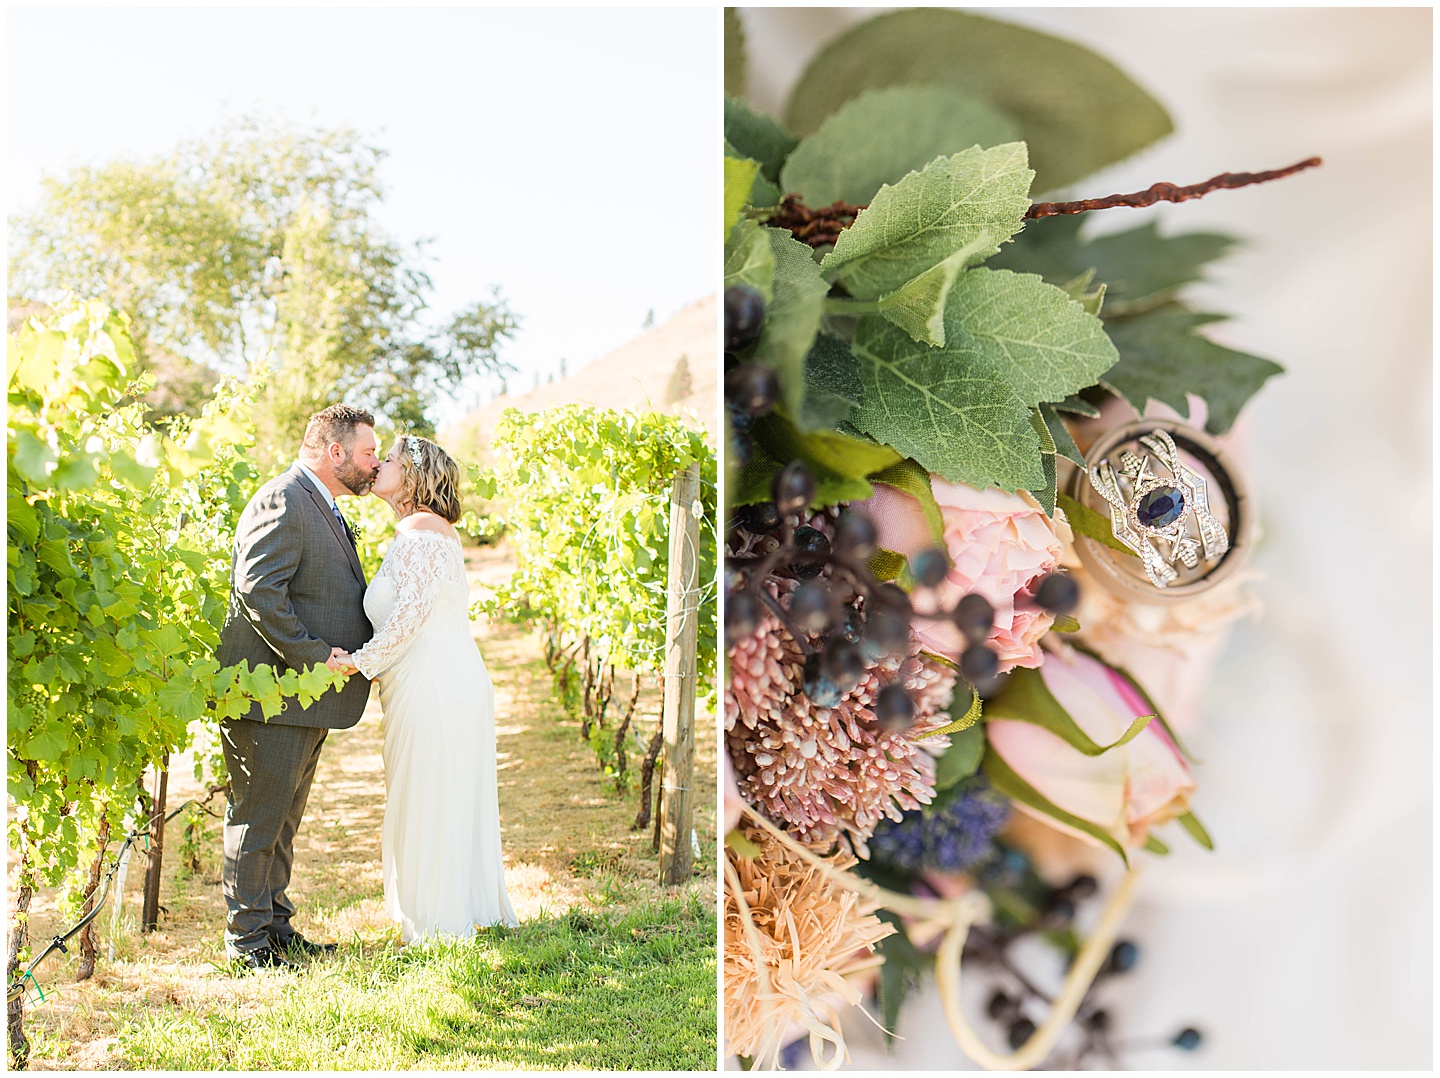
(567, 155)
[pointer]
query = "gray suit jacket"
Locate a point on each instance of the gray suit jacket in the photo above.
(296, 590)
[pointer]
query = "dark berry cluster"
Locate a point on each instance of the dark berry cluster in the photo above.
(1010, 878)
(857, 619)
(751, 389)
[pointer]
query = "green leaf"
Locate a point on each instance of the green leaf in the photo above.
(1004, 779)
(20, 515)
(824, 451)
(739, 176)
(1064, 623)
(1026, 699)
(48, 746)
(1162, 358)
(757, 137)
(1045, 494)
(929, 216)
(886, 565)
(918, 307)
(968, 717)
(903, 971)
(832, 383)
(749, 260)
(734, 54)
(735, 839)
(1196, 830)
(1154, 845)
(1138, 267)
(131, 471)
(1060, 434)
(1011, 341)
(1077, 111)
(33, 459)
(1145, 698)
(792, 317)
(1087, 522)
(910, 477)
(962, 758)
(182, 698)
(881, 135)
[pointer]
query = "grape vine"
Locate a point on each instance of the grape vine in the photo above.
(119, 541)
(585, 495)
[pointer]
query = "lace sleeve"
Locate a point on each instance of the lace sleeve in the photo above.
(417, 570)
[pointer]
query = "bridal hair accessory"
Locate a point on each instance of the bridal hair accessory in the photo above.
(1173, 500)
(417, 457)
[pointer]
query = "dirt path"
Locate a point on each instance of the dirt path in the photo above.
(565, 832)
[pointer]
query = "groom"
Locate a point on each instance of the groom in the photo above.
(297, 588)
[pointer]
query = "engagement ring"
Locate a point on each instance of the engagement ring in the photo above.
(1172, 501)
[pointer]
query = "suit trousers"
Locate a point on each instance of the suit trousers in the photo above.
(271, 768)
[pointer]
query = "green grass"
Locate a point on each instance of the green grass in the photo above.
(631, 991)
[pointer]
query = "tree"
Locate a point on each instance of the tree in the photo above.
(680, 382)
(258, 242)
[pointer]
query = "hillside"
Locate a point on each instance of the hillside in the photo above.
(636, 375)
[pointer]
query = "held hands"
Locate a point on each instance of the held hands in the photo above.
(341, 662)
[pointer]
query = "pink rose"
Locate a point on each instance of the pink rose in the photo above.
(1124, 792)
(1000, 544)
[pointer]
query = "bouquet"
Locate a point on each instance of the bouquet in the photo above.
(985, 536)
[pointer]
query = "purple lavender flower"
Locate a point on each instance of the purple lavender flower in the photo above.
(949, 838)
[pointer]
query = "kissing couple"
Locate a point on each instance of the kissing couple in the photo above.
(299, 598)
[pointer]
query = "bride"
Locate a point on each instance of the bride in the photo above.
(444, 874)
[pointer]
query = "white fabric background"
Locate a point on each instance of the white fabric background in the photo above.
(1305, 940)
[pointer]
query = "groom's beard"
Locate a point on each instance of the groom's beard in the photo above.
(356, 480)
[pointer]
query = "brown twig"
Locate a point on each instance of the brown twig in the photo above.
(817, 227)
(1168, 192)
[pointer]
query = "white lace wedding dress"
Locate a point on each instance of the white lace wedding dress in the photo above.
(440, 843)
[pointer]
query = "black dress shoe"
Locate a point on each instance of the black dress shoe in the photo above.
(298, 944)
(265, 958)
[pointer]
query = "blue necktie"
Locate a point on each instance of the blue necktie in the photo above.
(343, 525)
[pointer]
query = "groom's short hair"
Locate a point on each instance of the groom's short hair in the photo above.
(334, 424)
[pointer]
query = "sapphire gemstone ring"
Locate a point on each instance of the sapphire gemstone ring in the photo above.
(1160, 508)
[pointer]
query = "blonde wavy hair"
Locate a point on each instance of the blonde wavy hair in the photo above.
(433, 483)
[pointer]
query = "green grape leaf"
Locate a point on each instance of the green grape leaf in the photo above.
(832, 383)
(929, 216)
(48, 746)
(963, 410)
(734, 54)
(792, 317)
(749, 259)
(1076, 110)
(757, 137)
(1138, 267)
(918, 306)
(1026, 699)
(20, 515)
(1162, 358)
(181, 698)
(883, 134)
(33, 459)
(739, 177)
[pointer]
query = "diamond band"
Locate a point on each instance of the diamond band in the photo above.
(1160, 507)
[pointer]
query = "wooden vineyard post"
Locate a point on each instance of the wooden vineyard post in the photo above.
(150, 911)
(681, 660)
